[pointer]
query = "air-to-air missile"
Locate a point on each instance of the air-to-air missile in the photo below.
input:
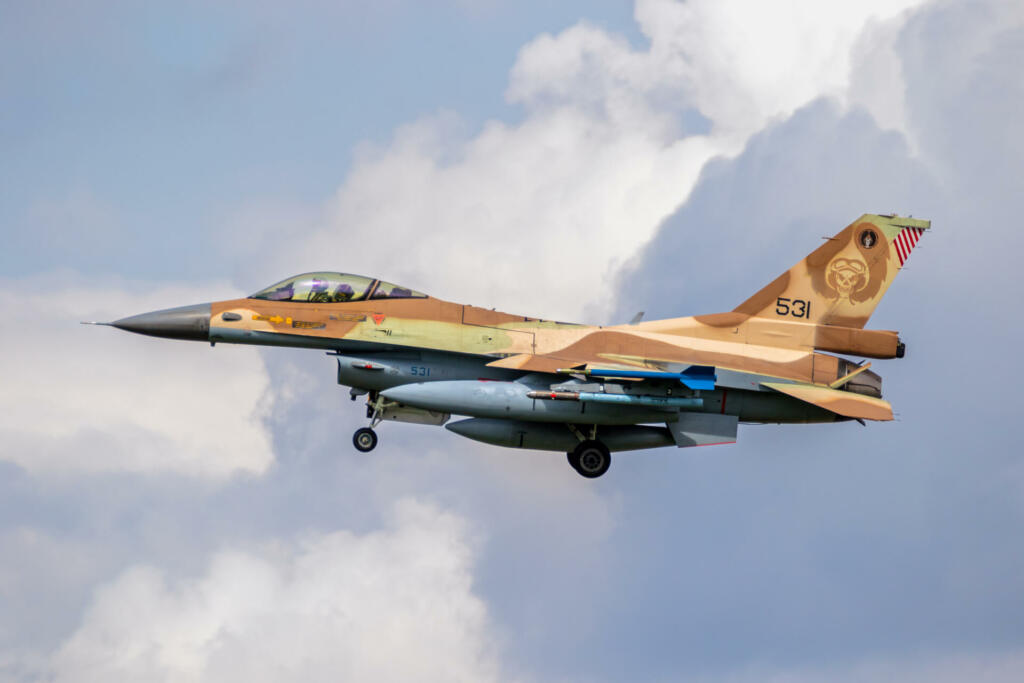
(694, 377)
(617, 399)
(584, 389)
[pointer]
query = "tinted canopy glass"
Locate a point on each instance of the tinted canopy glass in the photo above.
(332, 288)
(386, 290)
(318, 288)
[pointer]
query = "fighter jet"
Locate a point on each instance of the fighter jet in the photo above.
(588, 390)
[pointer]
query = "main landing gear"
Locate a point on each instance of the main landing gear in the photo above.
(591, 458)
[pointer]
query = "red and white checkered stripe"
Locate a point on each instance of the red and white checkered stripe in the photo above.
(905, 241)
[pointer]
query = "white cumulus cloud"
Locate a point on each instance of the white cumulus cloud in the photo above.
(750, 62)
(741, 63)
(392, 605)
(79, 399)
(535, 217)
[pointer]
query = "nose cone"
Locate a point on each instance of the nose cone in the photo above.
(184, 322)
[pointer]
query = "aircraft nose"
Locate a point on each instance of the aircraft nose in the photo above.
(184, 322)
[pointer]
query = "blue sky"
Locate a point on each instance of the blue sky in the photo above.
(172, 511)
(161, 117)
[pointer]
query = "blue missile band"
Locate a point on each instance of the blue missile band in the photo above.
(696, 377)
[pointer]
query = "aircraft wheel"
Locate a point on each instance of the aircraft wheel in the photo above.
(365, 439)
(573, 462)
(591, 459)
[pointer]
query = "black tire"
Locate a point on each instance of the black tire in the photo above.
(573, 462)
(591, 459)
(365, 439)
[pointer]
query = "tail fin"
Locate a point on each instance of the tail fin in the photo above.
(842, 281)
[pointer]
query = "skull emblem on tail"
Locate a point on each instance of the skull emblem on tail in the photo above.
(847, 277)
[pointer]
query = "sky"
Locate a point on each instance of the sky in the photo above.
(171, 511)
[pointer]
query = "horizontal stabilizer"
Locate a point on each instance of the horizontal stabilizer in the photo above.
(845, 403)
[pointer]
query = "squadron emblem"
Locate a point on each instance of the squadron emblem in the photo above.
(868, 238)
(847, 277)
(852, 269)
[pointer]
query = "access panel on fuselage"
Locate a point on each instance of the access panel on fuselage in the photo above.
(487, 331)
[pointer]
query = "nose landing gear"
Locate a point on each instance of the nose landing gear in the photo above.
(365, 439)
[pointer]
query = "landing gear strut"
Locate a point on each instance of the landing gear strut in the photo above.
(590, 458)
(365, 439)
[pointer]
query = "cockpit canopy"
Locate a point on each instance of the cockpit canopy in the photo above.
(330, 288)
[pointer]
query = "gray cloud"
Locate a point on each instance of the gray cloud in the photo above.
(752, 217)
(809, 547)
(395, 604)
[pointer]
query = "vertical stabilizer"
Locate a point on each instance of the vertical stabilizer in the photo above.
(842, 281)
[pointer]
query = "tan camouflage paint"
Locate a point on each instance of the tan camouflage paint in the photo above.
(839, 285)
(840, 402)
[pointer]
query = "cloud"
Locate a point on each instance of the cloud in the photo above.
(391, 605)
(751, 62)
(803, 553)
(963, 95)
(800, 180)
(836, 552)
(742, 64)
(86, 399)
(534, 217)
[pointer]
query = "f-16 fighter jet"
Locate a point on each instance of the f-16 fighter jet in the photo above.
(588, 390)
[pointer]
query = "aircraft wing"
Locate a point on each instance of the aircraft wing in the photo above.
(552, 362)
(529, 362)
(845, 403)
